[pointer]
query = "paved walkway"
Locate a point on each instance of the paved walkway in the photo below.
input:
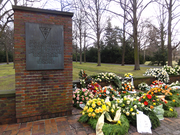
(70, 126)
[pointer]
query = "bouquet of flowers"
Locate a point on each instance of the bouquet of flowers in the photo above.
(81, 96)
(107, 91)
(128, 75)
(150, 100)
(127, 86)
(143, 86)
(159, 91)
(170, 70)
(94, 87)
(157, 83)
(159, 73)
(177, 69)
(108, 77)
(83, 78)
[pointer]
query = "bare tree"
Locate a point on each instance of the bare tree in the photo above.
(94, 11)
(134, 10)
(171, 6)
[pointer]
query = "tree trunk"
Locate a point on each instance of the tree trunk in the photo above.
(7, 58)
(84, 46)
(135, 23)
(80, 38)
(76, 51)
(124, 38)
(169, 34)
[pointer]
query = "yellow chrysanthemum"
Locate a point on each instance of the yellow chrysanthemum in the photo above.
(83, 113)
(100, 110)
(157, 99)
(174, 100)
(85, 108)
(137, 112)
(97, 110)
(93, 115)
(131, 109)
(99, 103)
(171, 109)
(154, 103)
(93, 105)
(90, 109)
(104, 107)
(89, 114)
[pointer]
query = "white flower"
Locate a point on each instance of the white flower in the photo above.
(133, 113)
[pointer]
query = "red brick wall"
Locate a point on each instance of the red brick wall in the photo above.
(7, 110)
(38, 98)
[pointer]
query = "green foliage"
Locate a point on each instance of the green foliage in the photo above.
(83, 118)
(113, 129)
(168, 113)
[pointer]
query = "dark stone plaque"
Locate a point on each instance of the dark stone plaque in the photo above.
(44, 46)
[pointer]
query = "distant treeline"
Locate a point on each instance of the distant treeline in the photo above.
(3, 56)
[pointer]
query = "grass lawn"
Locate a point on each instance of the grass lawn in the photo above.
(7, 73)
(7, 77)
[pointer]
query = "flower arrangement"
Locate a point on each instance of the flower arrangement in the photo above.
(81, 96)
(107, 77)
(107, 91)
(143, 86)
(159, 91)
(94, 87)
(127, 86)
(93, 111)
(159, 73)
(82, 77)
(177, 69)
(128, 75)
(170, 70)
(150, 100)
(157, 83)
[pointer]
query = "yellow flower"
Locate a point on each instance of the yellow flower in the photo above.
(137, 112)
(174, 100)
(127, 113)
(99, 102)
(143, 97)
(108, 103)
(119, 122)
(171, 109)
(93, 105)
(90, 109)
(93, 115)
(89, 114)
(83, 113)
(131, 109)
(157, 99)
(85, 108)
(97, 110)
(112, 110)
(124, 98)
(154, 103)
(100, 110)
(104, 107)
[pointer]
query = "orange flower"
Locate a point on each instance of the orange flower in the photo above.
(152, 93)
(125, 88)
(166, 87)
(104, 94)
(124, 91)
(174, 100)
(151, 107)
(178, 94)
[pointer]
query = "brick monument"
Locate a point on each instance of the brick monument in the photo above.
(43, 63)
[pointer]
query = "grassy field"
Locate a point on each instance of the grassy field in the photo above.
(7, 73)
(7, 77)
